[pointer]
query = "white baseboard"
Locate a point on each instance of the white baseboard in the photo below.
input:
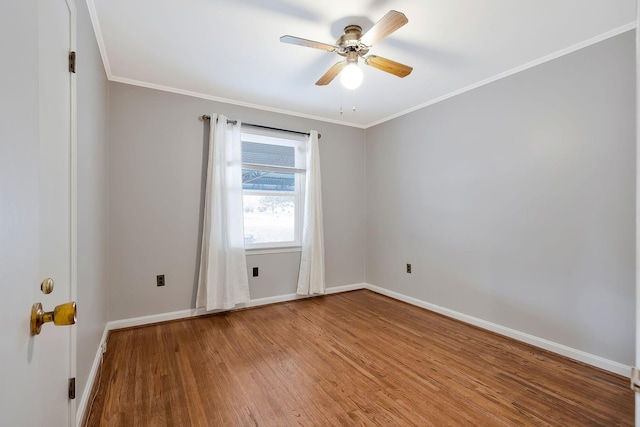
(81, 408)
(563, 350)
(153, 318)
(184, 314)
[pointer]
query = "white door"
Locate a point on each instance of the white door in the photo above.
(37, 208)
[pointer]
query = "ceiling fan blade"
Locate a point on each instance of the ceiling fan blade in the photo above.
(392, 67)
(331, 73)
(385, 26)
(307, 43)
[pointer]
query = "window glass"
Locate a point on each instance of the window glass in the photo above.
(272, 184)
(269, 219)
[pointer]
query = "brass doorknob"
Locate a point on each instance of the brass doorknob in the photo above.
(64, 314)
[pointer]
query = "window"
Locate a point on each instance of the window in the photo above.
(272, 187)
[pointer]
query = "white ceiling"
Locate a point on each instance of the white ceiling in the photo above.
(230, 50)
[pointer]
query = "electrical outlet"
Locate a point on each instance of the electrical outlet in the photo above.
(160, 280)
(409, 268)
(255, 271)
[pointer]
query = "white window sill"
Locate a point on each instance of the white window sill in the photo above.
(262, 251)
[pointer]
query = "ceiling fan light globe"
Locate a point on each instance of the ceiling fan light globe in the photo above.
(351, 76)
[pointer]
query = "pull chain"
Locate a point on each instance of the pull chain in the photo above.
(354, 100)
(353, 93)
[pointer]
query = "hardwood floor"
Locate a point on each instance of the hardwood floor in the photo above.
(356, 358)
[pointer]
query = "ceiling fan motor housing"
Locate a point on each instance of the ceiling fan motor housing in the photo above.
(350, 45)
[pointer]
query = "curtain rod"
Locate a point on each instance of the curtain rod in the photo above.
(205, 117)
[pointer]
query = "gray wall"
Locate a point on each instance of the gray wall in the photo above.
(92, 196)
(156, 167)
(515, 202)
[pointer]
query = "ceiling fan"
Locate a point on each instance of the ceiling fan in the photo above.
(353, 44)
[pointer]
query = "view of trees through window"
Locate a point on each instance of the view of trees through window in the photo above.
(269, 218)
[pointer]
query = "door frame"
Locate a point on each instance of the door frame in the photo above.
(73, 208)
(637, 308)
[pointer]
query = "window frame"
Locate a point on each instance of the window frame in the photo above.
(299, 172)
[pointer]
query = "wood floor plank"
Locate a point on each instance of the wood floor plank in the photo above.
(356, 358)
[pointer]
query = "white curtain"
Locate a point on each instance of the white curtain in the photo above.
(223, 279)
(311, 277)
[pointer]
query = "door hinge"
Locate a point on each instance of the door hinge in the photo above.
(635, 379)
(72, 388)
(72, 62)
